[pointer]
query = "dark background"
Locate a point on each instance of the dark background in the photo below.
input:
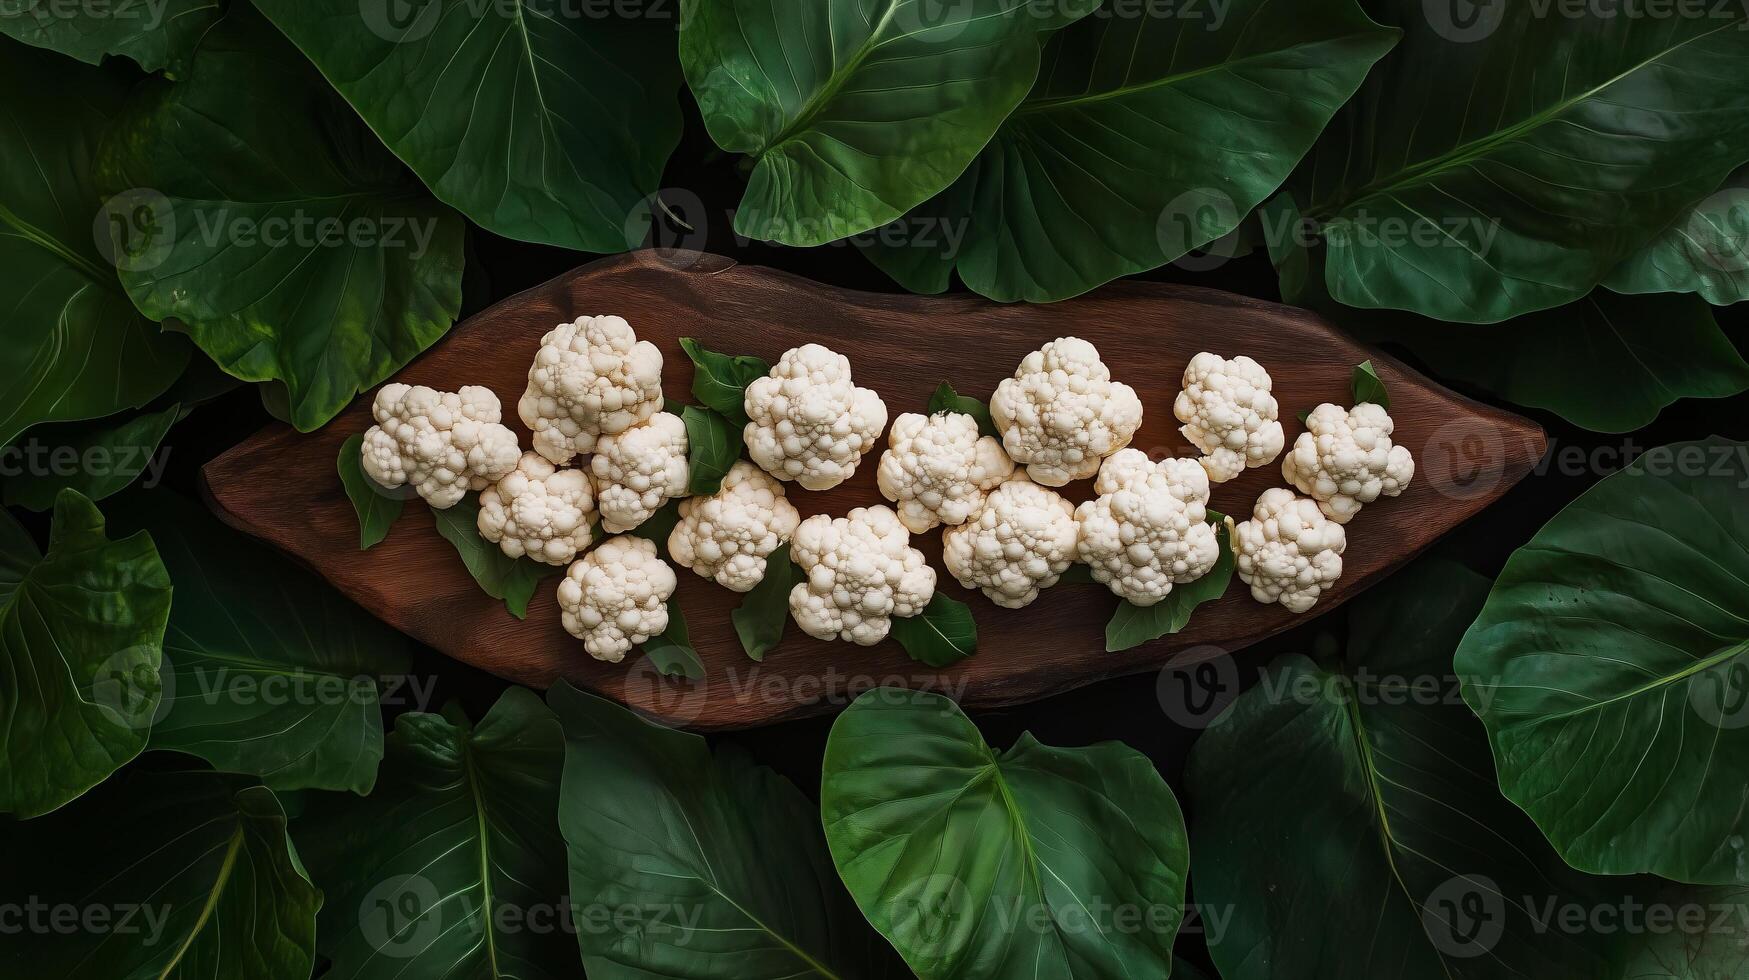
(1125, 709)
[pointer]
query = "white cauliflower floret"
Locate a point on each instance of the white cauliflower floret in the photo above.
(1288, 552)
(616, 597)
(1061, 413)
(591, 377)
(808, 421)
(1345, 459)
(540, 511)
(939, 470)
(1229, 414)
(1022, 541)
(638, 470)
(444, 443)
(728, 535)
(861, 572)
(1148, 530)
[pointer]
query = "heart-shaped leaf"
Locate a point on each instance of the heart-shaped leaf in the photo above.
(328, 276)
(156, 34)
(540, 120)
(453, 866)
(105, 457)
(1023, 864)
(501, 576)
(1144, 138)
(81, 640)
(1611, 667)
(855, 111)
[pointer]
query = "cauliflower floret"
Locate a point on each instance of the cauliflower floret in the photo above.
(1288, 552)
(591, 377)
(1345, 459)
(1022, 541)
(861, 572)
(728, 535)
(444, 443)
(1061, 413)
(1147, 531)
(939, 470)
(808, 422)
(540, 511)
(1229, 414)
(616, 597)
(638, 470)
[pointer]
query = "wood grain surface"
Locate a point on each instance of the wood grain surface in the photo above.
(281, 485)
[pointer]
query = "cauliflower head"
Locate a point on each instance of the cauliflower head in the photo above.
(1148, 529)
(1288, 552)
(540, 511)
(861, 572)
(938, 469)
(1345, 459)
(639, 470)
(444, 443)
(1061, 413)
(591, 377)
(727, 536)
(1022, 541)
(616, 597)
(808, 422)
(1229, 414)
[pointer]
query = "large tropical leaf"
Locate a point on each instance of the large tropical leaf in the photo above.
(1611, 667)
(191, 872)
(97, 459)
(1506, 163)
(327, 275)
(1037, 862)
(1346, 815)
(71, 345)
(715, 862)
(1144, 138)
(855, 111)
(1705, 251)
(267, 670)
(454, 866)
(154, 33)
(81, 635)
(542, 120)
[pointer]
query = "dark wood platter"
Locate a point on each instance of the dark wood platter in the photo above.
(280, 485)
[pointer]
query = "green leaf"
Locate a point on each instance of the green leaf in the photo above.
(945, 399)
(98, 460)
(1368, 776)
(328, 276)
(501, 576)
(195, 878)
(1713, 951)
(1705, 251)
(671, 652)
(1467, 182)
(714, 443)
(376, 510)
(975, 864)
(762, 617)
(853, 111)
(1145, 137)
(74, 347)
(657, 825)
(267, 670)
(943, 634)
(1611, 668)
(454, 865)
(1367, 386)
(81, 640)
(540, 122)
(155, 34)
(1132, 625)
(720, 381)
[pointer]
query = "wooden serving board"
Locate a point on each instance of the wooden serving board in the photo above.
(281, 485)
